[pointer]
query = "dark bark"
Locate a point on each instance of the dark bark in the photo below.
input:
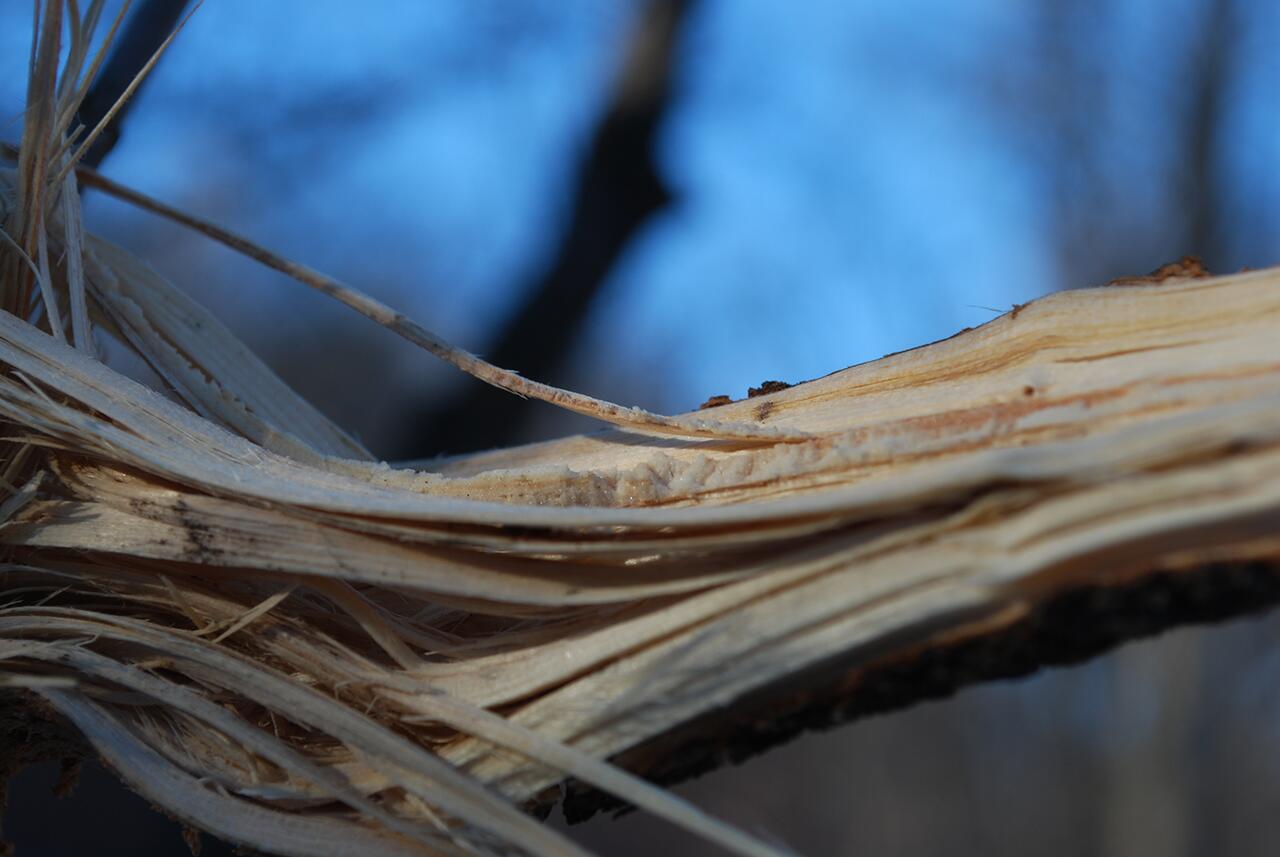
(914, 667)
(30, 732)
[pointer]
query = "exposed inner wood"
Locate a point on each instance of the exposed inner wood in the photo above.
(614, 594)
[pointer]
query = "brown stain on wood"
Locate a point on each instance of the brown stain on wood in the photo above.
(715, 402)
(1186, 268)
(1090, 358)
(767, 387)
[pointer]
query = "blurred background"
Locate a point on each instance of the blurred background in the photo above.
(656, 201)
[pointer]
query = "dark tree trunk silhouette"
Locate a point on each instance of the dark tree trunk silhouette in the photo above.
(147, 27)
(1204, 115)
(618, 190)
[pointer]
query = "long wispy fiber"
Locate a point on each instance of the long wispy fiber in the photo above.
(283, 641)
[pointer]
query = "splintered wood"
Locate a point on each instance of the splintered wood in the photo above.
(527, 613)
(282, 641)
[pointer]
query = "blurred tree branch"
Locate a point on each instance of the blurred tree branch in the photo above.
(1208, 95)
(618, 190)
(148, 26)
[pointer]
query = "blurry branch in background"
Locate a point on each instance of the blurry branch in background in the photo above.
(147, 27)
(1074, 96)
(1073, 99)
(1208, 92)
(618, 190)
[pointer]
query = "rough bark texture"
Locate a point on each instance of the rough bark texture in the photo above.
(921, 665)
